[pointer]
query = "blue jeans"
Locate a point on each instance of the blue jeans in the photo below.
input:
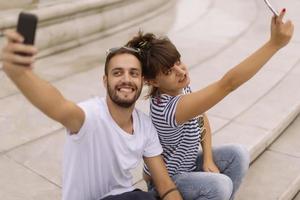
(232, 161)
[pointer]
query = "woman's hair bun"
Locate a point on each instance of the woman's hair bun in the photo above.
(142, 41)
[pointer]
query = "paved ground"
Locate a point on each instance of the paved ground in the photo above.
(212, 35)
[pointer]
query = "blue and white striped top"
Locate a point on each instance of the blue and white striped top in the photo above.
(180, 142)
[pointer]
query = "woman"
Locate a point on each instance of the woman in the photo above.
(178, 115)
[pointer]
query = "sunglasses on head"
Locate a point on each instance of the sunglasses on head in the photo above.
(115, 49)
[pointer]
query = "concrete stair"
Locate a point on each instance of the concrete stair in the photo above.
(69, 24)
(275, 174)
(213, 36)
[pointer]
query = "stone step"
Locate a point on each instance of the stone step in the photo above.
(68, 25)
(276, 173)
(18, 182)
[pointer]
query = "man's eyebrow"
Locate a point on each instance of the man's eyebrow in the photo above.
(117, 68)
(121, 68)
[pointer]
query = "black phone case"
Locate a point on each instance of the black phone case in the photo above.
(27, 27)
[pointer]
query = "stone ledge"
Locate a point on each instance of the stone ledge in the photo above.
(275, 174)
(69, 25)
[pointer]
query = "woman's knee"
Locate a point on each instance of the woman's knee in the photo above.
(222, 187)
(204, 185)
(242, 156)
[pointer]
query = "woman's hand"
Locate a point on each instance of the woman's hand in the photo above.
(210, 166)
(281, 32)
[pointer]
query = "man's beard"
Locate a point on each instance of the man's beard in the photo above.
(125, 103)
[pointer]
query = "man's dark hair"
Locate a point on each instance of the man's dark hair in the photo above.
(118, 52)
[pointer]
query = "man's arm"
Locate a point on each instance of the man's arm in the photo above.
(39, 92)
(202, 100)
(161, 179)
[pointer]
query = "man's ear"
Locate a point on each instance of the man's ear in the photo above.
(105, 81)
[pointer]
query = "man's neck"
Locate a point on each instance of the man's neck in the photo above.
(121, 115)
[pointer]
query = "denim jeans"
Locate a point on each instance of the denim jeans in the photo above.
(232, 161)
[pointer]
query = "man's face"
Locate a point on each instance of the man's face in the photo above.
(124, 80)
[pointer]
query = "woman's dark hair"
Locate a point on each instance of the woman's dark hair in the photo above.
(158, 55)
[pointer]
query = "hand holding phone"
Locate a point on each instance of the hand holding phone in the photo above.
(27, 27)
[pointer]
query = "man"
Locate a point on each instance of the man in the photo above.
(107, 137)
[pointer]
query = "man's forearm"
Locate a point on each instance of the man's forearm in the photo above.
(167, 189)
(160, 177)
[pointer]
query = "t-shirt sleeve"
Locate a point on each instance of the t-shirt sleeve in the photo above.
(153, 146)
(87, 124)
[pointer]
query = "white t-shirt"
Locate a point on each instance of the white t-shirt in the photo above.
(98, 159)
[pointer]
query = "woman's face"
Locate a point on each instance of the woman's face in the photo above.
(173, 80)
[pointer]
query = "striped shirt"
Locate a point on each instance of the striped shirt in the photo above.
(180, 142)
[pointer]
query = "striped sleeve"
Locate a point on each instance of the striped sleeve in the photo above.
(165, 110)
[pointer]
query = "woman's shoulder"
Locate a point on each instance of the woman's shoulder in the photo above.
(162, 99)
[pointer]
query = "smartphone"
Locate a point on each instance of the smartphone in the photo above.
(271, 8)
(27, 27)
